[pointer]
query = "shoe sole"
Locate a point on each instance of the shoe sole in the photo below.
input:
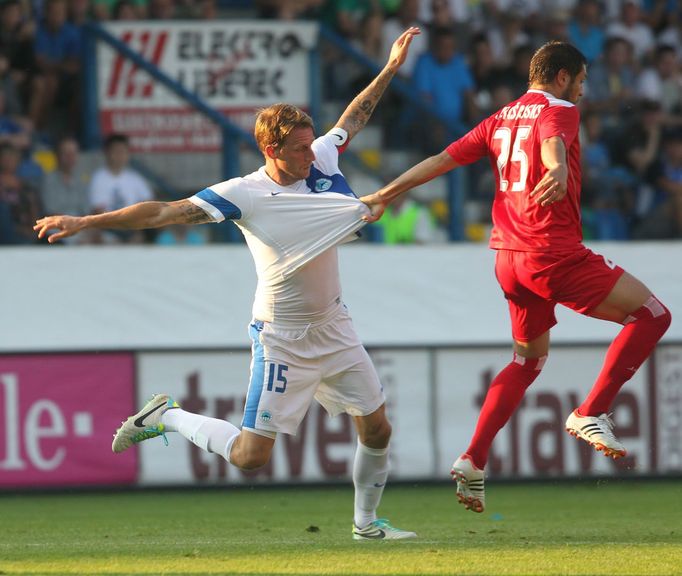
(469, 502)
(598, 446)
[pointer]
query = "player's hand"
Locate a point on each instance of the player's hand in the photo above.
(552, 187)
(65, 226)
(376, 208)
(401, 46)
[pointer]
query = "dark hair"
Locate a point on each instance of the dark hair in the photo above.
(552, 57)
(115, 138)
(665, 49)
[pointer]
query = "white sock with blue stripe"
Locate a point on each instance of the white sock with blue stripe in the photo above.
(209, 434)
(370, 472)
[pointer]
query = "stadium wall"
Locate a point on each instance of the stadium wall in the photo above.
(89, 333)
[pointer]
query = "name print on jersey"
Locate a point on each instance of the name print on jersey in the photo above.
(520, 111)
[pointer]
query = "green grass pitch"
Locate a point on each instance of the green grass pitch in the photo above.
(598, 527)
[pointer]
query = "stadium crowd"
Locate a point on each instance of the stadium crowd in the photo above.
(472, 57)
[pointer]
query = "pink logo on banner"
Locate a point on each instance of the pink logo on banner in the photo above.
(57, 416)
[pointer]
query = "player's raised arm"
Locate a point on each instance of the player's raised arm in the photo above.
(136, 217)
(358, 112)
(421, 173)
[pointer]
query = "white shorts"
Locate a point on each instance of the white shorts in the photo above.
(291, 366)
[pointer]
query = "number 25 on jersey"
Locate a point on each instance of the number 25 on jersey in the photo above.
(512, 160)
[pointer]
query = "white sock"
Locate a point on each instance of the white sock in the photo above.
(370, 472)
(209, 434)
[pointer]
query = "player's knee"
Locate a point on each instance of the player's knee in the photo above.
(377, 435)
(249, 457)
(530, 364)
(655, 313)
(666, 318)
(253, 460)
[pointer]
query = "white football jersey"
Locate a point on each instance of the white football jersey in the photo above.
(292, 233)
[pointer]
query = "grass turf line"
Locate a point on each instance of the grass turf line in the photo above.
(623, 528)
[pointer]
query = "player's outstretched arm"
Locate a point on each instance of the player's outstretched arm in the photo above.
(421, 173)
(135, 217)
(358, 112)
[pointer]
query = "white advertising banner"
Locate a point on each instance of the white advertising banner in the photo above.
(534, 443)
(215, 383)
(236, 67)
(433, 401)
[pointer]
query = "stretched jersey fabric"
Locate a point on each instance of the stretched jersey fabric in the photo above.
(292, 233)
(511, 138)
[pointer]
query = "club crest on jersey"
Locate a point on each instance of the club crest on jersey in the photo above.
(265, 416)
(322, 184)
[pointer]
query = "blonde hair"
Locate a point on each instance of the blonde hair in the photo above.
(275, 123)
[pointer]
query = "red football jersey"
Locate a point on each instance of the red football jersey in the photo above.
(511, 138)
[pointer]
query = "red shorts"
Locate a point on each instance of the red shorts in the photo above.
(535, 282)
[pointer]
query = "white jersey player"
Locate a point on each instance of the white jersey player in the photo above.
(293, 212)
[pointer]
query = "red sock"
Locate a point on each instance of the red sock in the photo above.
(633, 345)
(504, 394)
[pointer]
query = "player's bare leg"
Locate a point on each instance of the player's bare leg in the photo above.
(645, 319)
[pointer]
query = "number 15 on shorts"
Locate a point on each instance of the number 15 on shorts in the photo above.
(277, 381)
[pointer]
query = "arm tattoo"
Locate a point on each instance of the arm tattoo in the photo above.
(360, 109)
(192, 214)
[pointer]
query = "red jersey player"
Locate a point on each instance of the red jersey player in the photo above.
(533, 147)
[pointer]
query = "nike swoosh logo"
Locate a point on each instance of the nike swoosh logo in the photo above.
(379, 485)
(274, 193)
(338, 136)
(378, 535)
(139, 422)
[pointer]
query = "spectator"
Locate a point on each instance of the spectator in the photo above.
(346, 17)
(161, 10)
(631, 27)
(206, 10)
(119, 9)
(585, 31)
(610, 84)
(65, 189)
(464, 15)
(287, 9)
(406, 221)
(505, 36)
(57, 58)
(485, 73)
(19, 201)
(406, 17)
(115, 186)
(638, 149)
(79, 14)
(664, 218)
(556, 26)
(355, 21)
(515, 76)
(16, 46)
(662, 83)
(607, 191)
(125, 10)
(443, 79)
(8, 88)
(14, 130)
